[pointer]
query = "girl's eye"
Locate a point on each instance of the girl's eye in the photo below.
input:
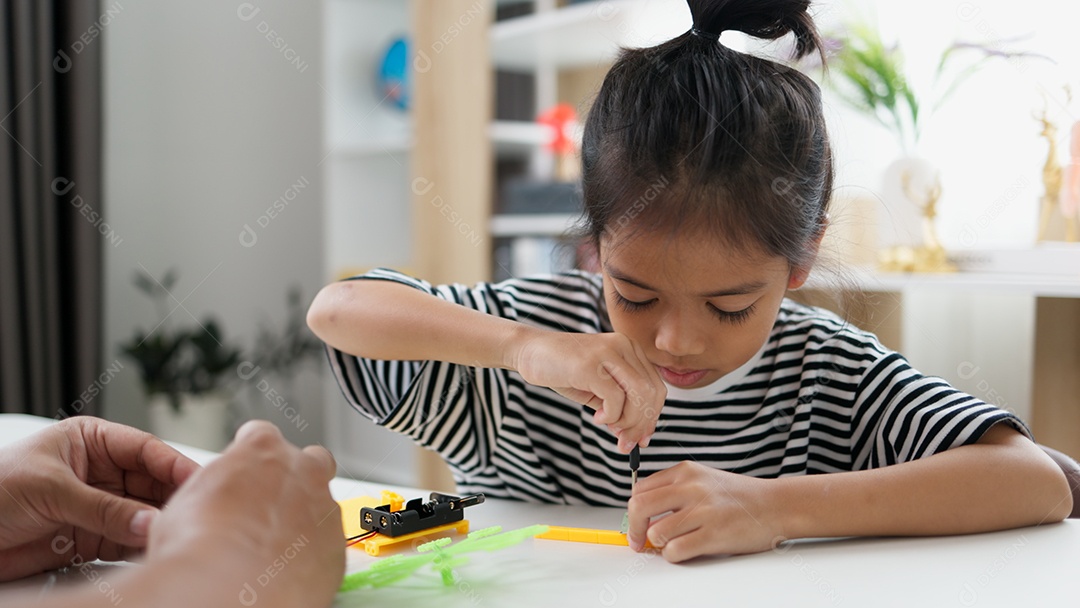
(738, 317)
(630, 305)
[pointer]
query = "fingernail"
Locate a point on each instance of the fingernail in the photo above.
(645, 442)
(140, 522)
(635, 544)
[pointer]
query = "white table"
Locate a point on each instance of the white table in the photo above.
(1026, 567)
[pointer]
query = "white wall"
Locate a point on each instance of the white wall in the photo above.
(984, 139)
(208, 123)
(986, 143)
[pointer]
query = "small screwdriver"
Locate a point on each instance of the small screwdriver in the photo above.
(635, 462)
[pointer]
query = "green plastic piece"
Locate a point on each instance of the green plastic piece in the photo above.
(440, 554)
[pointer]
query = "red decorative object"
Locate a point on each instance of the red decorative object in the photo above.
(562, 118)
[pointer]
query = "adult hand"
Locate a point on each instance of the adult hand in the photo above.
(606, 372)
(82, 487)
(709, 512)
(263, 513)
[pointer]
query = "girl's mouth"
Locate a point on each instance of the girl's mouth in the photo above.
(682, 378)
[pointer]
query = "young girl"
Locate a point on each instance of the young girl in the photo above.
(707, 175)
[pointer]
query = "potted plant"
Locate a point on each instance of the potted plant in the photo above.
(184, 371)
(283, 351)
(871, 77)
(280, 353)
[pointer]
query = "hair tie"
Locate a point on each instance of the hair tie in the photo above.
(706, 35)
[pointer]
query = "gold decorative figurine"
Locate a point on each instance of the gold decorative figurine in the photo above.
(930, 256)
(1057, 219)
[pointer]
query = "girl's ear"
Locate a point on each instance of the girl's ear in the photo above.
(798, 276)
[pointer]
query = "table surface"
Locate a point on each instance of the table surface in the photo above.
(1029, 566)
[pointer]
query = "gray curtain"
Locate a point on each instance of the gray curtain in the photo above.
(52, 231)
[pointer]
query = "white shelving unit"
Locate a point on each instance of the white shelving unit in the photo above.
(553, 224)
(356, 117)
(518, 138)
(585, 34)
(551, 39)
(1041, 286)
(390, 143)
(367, 145)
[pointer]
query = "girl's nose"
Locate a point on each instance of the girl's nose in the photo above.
(678, 338)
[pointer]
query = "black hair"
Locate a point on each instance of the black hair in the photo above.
(692, 133)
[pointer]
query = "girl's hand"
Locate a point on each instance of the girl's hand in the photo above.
(606, 372)
(711, 512)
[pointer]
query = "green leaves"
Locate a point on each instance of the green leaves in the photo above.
(151, 287)
(876, 83)
(873, 80)
(211, 358)
(194, 359)
(282, 352)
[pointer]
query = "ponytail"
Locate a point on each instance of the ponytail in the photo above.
(766, 19)
(738, 142)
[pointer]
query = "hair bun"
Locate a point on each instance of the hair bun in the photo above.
(768, 19)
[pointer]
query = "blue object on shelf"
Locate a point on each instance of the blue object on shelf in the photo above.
(394, 82)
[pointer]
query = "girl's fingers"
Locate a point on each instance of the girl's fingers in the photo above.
(635, 419)
(659, 394)
(607, 387)
(687, 546)
(653, 375)
(659, 479)
(671, 528)
(643, 506)
(630, 354)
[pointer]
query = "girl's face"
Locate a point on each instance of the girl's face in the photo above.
(698, 309)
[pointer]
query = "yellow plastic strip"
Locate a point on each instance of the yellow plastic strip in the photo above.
(588, 535)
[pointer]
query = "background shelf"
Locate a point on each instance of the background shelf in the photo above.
(585, 34)
(553, 224)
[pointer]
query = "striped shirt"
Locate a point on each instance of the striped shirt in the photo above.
(819, 397)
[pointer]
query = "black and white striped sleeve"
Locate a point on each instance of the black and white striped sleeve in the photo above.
(901, 415)
(450, 408)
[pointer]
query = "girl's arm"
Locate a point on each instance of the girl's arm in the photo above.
(1002, 481)
(386, 320)
(391, 321)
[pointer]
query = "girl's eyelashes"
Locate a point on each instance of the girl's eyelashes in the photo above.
(630, 305)
(737, 317)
